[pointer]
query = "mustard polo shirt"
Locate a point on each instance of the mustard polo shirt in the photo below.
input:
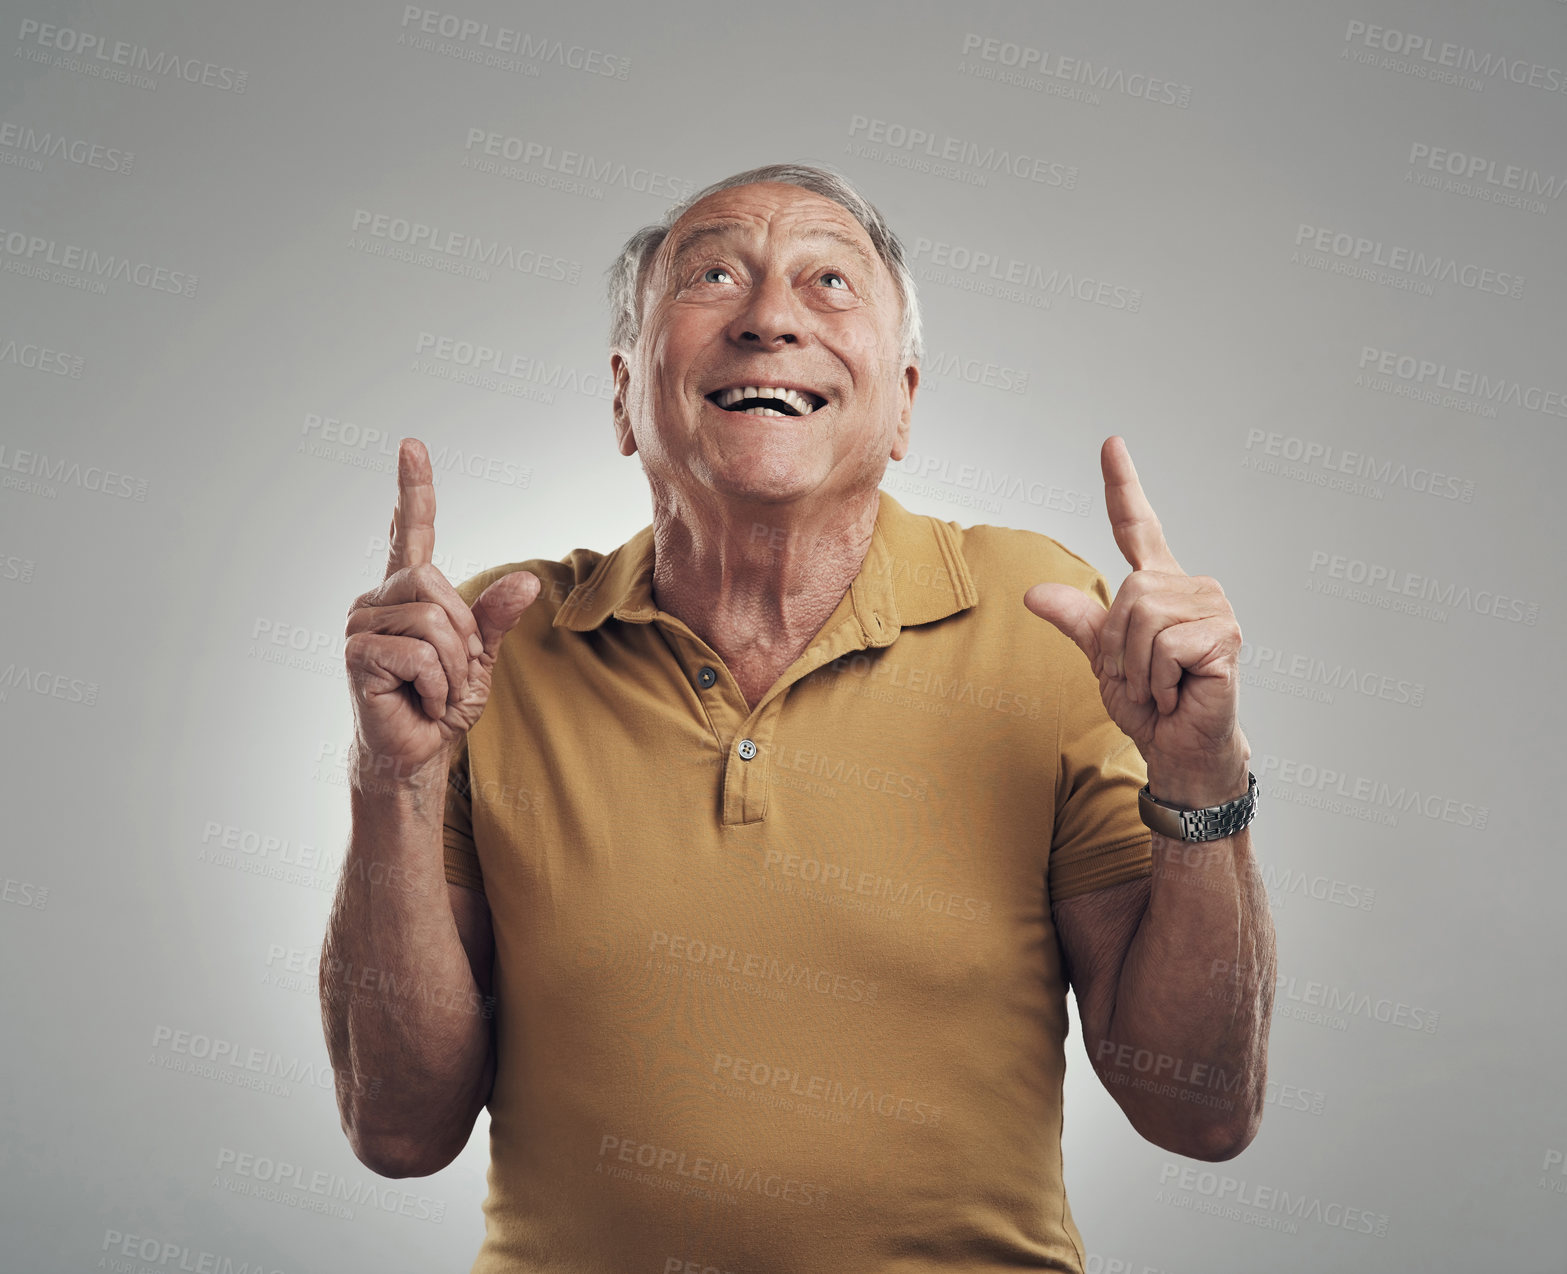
(777, 988)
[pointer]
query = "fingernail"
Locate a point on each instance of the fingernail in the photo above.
(475, 646)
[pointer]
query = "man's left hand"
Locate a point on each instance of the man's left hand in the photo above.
(1166, 652)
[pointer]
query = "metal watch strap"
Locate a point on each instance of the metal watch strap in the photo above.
(1213, 823)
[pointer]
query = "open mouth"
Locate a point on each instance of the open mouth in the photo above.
(767, 400)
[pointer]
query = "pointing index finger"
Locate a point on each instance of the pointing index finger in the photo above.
(1132, 519)
(412, 537)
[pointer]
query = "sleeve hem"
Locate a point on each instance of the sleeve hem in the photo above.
(462, 867)
(1089, 871)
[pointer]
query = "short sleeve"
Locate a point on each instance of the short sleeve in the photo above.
(1099, 839)
(462, 857)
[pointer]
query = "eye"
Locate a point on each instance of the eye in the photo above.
(843, 283)
(714, 269)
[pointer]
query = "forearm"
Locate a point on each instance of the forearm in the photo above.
(407, 1031)
(1185, 1047)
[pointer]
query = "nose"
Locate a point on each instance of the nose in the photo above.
(770, 317)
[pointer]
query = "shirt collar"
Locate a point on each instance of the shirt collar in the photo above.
(914, 572)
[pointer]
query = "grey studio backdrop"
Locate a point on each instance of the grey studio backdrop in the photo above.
(1307, 259)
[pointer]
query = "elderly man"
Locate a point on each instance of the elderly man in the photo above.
(749, 904)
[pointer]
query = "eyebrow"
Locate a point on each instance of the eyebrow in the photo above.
(692, 239)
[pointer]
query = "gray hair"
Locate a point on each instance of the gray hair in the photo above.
(625, 276)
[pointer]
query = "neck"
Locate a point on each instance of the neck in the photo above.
(757, 580)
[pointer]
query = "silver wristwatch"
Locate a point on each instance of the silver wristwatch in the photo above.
(1213, 823)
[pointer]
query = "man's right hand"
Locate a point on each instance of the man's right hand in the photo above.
(419, 660)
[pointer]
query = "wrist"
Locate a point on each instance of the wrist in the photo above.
(1201, 823)
(393, 781)
(1215, 782)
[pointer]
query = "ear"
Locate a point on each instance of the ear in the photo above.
(625, 440)
(906, 389)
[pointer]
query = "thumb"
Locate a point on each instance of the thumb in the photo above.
(1076, 614)
(500, 606)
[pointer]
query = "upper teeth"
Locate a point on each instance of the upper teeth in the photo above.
(800, 402)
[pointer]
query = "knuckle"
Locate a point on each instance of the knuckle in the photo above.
(1145, 609)
(429, 576)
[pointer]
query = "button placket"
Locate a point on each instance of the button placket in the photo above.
(746, 772)
(746, 768)
(747, 782)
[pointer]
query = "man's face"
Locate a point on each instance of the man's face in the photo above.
(766, 286)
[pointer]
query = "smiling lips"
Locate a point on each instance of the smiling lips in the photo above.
(766, 400)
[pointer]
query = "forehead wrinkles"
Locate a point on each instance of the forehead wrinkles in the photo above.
(699, 236)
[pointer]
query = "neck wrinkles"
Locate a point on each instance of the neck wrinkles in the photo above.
(759, 576)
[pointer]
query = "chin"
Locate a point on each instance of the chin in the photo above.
(763, 482)
(760, 492)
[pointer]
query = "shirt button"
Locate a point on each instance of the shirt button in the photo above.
(747, 749)
(706, 676)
